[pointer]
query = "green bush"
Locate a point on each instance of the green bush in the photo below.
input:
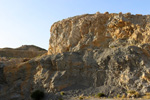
(118, 95)
(37, 95)
(62, 93)
(100, 95)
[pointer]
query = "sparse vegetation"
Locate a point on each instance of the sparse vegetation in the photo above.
(37, 95)
(147, 96)
(100, 95)
(132, 93)
(62, 93)
(25, 59)
(81, 97)
(38, 56)
(123, 96)
(118, 95)
(10, 58)
(112, 46)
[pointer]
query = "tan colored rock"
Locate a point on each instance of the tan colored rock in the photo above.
(105, 53)
(98, 30)
(146, 76)
(114, 69)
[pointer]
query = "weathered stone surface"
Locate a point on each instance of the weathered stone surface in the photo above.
(111, 68)
(11, 58)
(88, 54)
(91, 31)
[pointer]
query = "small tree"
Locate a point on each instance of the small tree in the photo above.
(100, 95)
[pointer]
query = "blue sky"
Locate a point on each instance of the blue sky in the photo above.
(29, 21)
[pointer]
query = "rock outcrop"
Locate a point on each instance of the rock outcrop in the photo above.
(9, 60)
(91, 31)
(111, 71)
(88, 54)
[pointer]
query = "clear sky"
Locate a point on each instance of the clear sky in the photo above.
(25, 22)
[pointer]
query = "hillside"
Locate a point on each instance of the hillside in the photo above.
(25, 51)
(88, 54)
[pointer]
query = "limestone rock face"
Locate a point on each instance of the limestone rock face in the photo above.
(98, 30)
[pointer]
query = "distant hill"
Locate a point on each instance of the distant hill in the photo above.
(25, 51)
(30, 48)
(26, 47)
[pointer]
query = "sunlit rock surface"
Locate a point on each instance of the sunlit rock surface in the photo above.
(99, 30)
(88, 54)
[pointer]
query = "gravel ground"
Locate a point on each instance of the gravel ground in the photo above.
(111, 99)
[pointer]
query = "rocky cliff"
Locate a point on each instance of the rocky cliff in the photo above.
(88, 54)
(91, 31)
